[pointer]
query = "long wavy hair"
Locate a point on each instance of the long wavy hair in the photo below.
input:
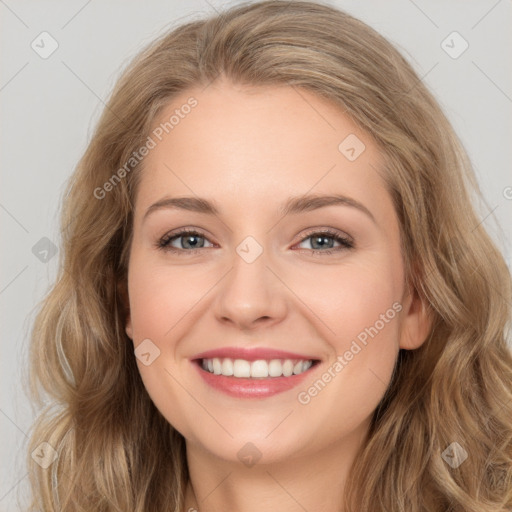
(114, 450)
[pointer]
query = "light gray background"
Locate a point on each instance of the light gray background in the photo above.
(49, 107)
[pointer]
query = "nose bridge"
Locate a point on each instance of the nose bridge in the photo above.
(250, 291)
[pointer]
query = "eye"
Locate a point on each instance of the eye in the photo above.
(190, 241)
(321, 245)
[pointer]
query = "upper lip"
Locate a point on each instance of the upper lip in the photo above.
(252, 354)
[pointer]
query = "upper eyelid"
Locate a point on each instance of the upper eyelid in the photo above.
(184, 232)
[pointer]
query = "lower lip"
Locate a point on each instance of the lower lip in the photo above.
(240, 387)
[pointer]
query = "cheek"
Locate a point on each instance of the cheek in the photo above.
(349, 299)
(160, 296)
(367, 303)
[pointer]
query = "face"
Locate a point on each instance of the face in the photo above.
(271, 275)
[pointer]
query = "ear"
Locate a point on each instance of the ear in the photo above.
(416, 321)
(122, 289)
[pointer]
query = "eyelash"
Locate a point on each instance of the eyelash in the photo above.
(163, 243)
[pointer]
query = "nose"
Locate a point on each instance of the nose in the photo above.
(251, 295)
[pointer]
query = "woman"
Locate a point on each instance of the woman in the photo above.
(207, 352)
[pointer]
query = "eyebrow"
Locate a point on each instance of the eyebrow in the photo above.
(293, 205)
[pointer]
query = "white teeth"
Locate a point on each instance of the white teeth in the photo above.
(227, 367)
(217, 367)
(287, 368)
(302, 366)
(241, 368)
(259, 369)
(275, 368)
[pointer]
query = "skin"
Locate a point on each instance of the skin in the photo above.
(249, 150)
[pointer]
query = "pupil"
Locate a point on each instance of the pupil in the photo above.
(188, 240)
(318, 239)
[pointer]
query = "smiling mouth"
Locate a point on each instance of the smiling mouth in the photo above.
(258, 369)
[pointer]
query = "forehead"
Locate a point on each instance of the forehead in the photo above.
(256, 144)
